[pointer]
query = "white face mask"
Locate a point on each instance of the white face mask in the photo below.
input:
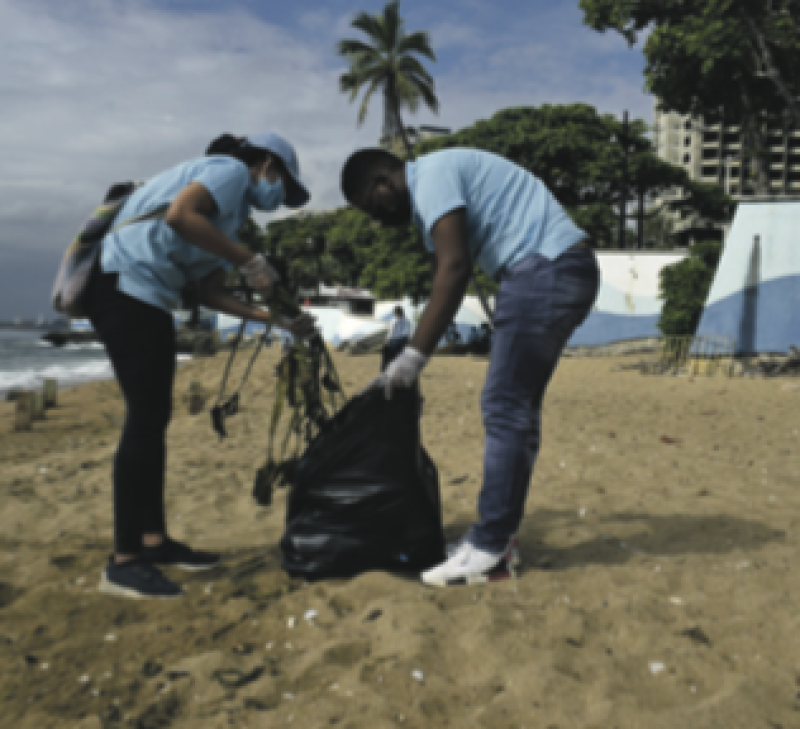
(267, 196)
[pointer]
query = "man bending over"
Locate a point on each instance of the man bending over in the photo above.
(475, 207)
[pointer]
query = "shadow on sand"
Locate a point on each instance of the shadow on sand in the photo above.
(622, 537)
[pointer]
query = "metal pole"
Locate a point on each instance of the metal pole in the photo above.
(624, 186)
(640, 230)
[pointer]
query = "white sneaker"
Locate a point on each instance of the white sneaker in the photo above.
(469, 566)
(511, 554)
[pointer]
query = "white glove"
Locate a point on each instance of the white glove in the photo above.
(402, 372)
(258, 274)
(303, 327)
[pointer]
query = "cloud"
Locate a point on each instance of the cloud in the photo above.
(448, 35)
(122, 90)
(99, 91)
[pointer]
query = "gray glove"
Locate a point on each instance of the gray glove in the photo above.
(303, 327)
(402, 372)
(258, 274)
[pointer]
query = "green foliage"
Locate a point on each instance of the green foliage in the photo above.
(251, 236)
(658, 231)
(703, 57)
(684, 287)
(388, 63)
(576, 153)
(346, 231)
(391, 262)
(569, 148)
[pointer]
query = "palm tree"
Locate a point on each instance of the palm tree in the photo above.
(388, 64)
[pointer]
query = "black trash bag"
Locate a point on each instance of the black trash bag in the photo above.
(365, 494)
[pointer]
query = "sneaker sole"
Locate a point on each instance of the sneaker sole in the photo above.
(109, 588)
(499, 574)
(511, 556)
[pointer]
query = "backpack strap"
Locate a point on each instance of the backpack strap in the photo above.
(157, 214)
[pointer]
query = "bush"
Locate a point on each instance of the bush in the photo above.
(684, 287)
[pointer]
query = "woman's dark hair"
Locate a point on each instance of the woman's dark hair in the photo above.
(238, 148)
(118, 191)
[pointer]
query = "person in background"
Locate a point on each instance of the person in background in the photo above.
(452, 335)
(474, 207)
(396, 338)
(142, 269)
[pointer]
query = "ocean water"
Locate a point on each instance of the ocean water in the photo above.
(25, 361)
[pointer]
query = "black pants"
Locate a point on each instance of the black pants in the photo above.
(391, 351)
(140, 342)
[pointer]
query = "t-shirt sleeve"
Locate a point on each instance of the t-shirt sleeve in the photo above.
(227, 180)
(439, 191)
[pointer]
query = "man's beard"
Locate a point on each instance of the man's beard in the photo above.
(399, 217)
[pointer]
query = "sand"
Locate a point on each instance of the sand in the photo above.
(659, 585)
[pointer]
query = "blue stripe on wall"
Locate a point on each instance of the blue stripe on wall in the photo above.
(604, 328)
(762, 319)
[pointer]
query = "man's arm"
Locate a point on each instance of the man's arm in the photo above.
(451, 279)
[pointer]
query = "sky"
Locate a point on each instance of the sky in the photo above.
(95, 92)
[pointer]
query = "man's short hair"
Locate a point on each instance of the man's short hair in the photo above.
(399, 312)
(363, 167)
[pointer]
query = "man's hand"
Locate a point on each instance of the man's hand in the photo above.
(402, 372)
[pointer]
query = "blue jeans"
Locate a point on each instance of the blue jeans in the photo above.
(539, 305)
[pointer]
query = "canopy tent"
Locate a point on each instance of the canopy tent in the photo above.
(755, 295)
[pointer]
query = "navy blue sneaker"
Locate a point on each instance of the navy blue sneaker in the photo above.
(137, 578)
(175, 554)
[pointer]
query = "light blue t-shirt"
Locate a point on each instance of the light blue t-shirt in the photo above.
(152, 261)
(510, 213)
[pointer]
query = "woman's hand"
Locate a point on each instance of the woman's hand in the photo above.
(258, 274)
(303, 327)
(212, 294)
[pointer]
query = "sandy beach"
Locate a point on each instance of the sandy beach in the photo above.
(658, 586)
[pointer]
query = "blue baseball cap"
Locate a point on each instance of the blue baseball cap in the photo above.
(297, 195)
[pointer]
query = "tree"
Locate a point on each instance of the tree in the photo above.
(718, 59)
(389, 65)
(251, 236)
(576, 153)
(684, 287)
(347, 234)
(658, 231)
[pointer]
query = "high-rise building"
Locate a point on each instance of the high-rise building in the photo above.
(712, 154)
(415, 135)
